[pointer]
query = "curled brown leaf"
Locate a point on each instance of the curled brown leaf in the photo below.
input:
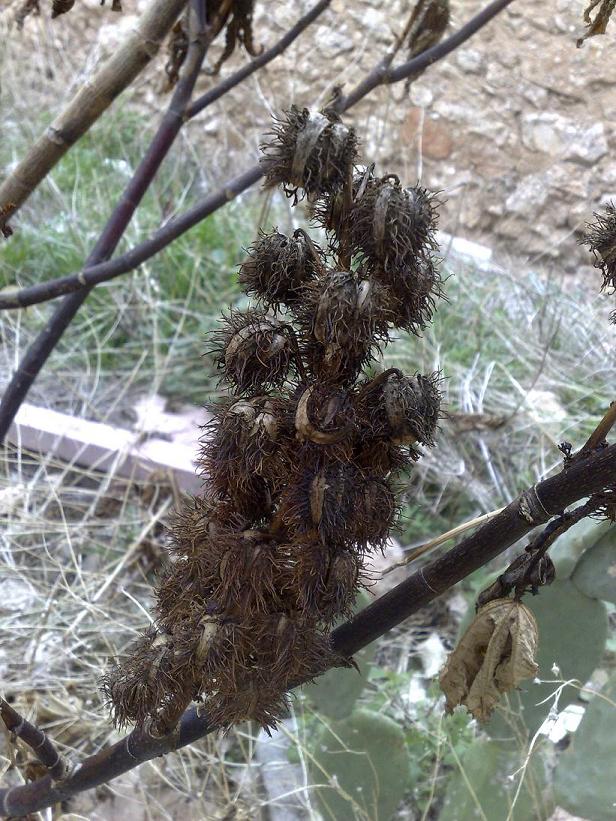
(495, 654)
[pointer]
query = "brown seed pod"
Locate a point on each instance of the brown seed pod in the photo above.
(145, 684)
(344, 319)
(198, 524)
(310, 151)
(392, 226)
(411, 299)
(254, 351)
(600, 237)
(375, 513)
(325, 582)
(319, 502)
(324, 416)
(277, 267)
(404, 410)
(241, 458)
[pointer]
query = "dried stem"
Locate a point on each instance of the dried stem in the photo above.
(599, 435)
(92, 99)
(581, 479)
(422, 549)
(34, 738)
(112, 233)
(105, 271)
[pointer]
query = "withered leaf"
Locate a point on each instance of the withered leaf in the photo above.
(602, 18)
(495, 654)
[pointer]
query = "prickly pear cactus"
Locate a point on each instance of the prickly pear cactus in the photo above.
(572, 635)
(365, 762)
(595, 573)
(584, 777)
(335, 693)
(483, 787)
(570, 547)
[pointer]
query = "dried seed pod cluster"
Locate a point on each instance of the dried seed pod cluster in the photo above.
(299, 465)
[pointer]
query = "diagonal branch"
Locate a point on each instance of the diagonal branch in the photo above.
(533, 507)
(92, 99)
(169, 128)
(103, 272)
(262, 60)
(36, 739)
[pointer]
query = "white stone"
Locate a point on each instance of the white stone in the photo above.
(469, 60)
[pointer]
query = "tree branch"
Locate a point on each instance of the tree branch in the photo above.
(168, 130)
(92, 99)
(262, 60)
(103, 272)
(533, 507)
(36, 739)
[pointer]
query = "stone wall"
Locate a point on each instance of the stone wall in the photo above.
(516, 129)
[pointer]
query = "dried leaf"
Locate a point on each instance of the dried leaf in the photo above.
(495, 654)
(602, 18)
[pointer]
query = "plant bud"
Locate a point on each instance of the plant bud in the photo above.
(310, 151)
(277, 268)
(256, 351)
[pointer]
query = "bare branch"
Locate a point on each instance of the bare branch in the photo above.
(103, 272)
(168, 130)
(533, 507)
(36, 739)
(262, 60)
(92, 99)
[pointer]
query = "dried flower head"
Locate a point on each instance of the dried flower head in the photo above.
(391, 225)
(344, 320)
(254, 351)
(278, 266)
(404, 410)
(310, 151)
(600, 238)
(240, 457)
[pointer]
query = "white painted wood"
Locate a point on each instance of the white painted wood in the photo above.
(95, 445)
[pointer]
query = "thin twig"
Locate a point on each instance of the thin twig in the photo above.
(422, 549)
(599, 435)
(263, 59)
(105, 271)
(164, 138)
(36, 739)
(580, 480)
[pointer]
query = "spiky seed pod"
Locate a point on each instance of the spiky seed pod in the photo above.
(344, 321)
(375, 514)
(411, 300)
(242, 457)
(319, 502)
(600, 237)
(197, 525)
(326, 582)
(392, 225)
(310, 151)
(277, 267)
(254, 351)
(324, 416)
(145, 685)
(401, 409)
